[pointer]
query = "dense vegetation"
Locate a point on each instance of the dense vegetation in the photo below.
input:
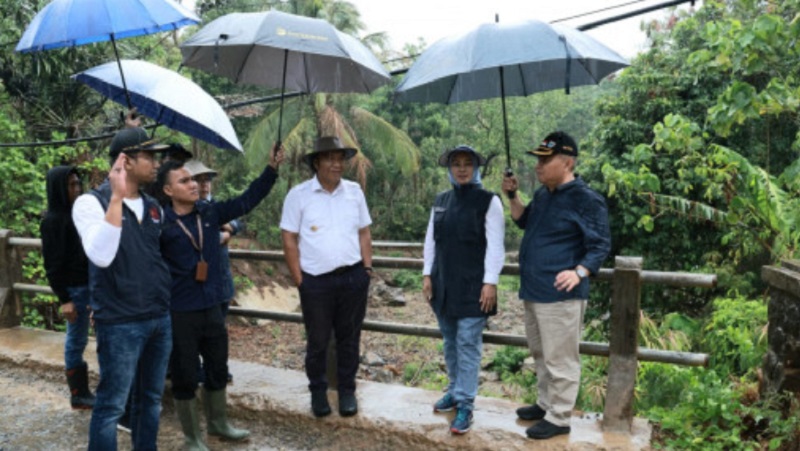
(695, 146)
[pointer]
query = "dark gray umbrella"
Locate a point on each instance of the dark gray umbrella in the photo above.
(285, 51)
(509, 59)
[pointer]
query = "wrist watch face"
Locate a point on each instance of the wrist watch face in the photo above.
(581, 273)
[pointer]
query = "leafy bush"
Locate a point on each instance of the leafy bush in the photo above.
(509, 359)
(735, 335)
(408, 279)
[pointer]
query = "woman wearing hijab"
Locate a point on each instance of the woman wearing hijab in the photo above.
(463, 258)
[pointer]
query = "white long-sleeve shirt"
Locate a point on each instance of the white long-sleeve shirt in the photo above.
(100, 238)
(495, 248)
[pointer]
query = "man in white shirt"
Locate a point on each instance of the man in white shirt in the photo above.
(328, 249)
(119, 226)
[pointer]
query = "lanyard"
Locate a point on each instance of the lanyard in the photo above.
(191, 237)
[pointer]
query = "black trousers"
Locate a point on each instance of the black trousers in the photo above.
(337, 303)
(203, 333)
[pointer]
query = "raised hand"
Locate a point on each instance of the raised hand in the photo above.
(276, 156)
(117, 177)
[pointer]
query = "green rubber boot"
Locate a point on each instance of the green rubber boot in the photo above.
(187, 414)
(216, 414)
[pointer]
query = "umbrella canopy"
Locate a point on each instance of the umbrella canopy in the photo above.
(285, 51)
(68, 23)
(249, 48)
(167, 97)
(535, 57)
(508, 59)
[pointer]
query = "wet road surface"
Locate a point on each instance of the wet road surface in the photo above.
(36, 416)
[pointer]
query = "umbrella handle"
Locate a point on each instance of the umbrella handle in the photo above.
(509, 173)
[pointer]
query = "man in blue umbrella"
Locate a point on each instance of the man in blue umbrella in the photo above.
(566, 240)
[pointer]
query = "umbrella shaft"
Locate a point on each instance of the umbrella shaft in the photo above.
(283, 90)
(121, 73)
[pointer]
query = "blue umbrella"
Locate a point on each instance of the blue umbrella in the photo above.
(166, 97)
(70, 23)
(285, 51)
(509, 59)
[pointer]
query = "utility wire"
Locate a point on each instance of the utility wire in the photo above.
(589, 13)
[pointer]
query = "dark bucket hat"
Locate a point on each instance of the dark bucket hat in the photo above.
(444, 159)
(328, 144)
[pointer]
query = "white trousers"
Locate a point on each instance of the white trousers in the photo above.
(554, 334)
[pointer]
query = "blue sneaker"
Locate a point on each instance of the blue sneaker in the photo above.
(462, 421)
(445, 404)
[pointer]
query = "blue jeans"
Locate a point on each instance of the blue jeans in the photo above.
(132, 356)
(463, 345)
(77, 332)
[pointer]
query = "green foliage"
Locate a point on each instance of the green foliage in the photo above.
(508, 359)
(408, 279)
(736, 335)
(242, 283)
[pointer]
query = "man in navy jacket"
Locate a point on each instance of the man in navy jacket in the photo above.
(190, 245)
(566, 239)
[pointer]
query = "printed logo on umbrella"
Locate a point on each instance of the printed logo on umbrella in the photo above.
(280, 31)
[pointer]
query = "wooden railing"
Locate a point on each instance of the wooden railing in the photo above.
(627, 278)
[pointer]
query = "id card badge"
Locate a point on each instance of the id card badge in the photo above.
(201, 274)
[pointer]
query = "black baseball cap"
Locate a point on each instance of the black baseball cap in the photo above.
(554, 143)
(132, 140)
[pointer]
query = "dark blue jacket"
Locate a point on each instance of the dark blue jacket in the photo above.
(135, 286)
(182, 258)
(563, 229)
(459, 230)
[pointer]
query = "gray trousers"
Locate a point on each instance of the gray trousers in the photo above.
(554, 334)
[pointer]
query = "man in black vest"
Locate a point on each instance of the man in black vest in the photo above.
(120, 227)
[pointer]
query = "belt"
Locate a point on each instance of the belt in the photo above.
(342, 269)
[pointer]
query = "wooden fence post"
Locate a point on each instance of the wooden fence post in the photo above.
(627, 290)
(10, 316)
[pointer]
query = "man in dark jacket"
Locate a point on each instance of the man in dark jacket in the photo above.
(191, 247)
(120, 227)
(67, 271)
(566, 240)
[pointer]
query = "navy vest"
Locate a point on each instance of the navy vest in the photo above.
(136, 285)
(459, 229)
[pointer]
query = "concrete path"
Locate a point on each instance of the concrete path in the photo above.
(390, 416)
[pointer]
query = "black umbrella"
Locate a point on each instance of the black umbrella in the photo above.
(513, 59)
(285, 51)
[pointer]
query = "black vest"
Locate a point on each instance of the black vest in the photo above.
(459, 229)
(136, 286)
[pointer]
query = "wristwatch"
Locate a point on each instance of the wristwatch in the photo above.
(582, 274)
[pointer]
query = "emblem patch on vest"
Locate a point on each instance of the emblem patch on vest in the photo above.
(155, 214)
